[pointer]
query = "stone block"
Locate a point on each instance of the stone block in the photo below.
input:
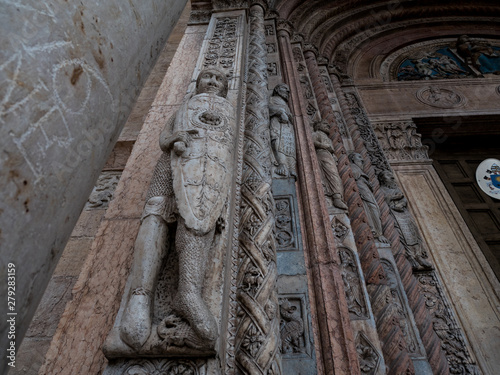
(30, 356)
(73, 257)
(88, 223)
(54, 300)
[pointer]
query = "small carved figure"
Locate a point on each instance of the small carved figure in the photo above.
(366, 192)
(332, 183)
(470, 51)
(423, 68)
(406, 226)
(282, 132)
(292, 329)
(190, 187)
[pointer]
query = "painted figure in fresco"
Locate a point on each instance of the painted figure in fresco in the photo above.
(282, 133)
(366, 192)
(327, 160)
(406, 226)
(190, 188)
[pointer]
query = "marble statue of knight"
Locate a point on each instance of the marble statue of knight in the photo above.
(190, 186)
(406, 226)
(282, 132)
(366, 192)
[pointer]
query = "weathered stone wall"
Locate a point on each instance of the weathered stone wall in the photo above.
(32, 351)
(70, 74)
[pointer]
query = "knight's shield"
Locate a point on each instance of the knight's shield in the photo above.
(203, 173)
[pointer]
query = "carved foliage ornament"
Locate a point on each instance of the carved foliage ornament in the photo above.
(446, 327)
(367, 355)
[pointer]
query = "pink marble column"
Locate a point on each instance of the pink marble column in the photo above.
(393, 343)
(334, 336)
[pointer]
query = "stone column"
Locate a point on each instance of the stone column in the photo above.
(70, 74)
(257, 345)
(396, 355)
(335, 342)
(366, 144)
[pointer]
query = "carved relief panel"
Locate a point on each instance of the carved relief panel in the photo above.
(354, 290)
(400, 141)
(103, 190)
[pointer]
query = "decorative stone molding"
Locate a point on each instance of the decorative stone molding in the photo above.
(257, 348)
(440, 97)
(400, 141)
(446, 327)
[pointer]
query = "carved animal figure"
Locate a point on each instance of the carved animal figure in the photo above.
(292, 329)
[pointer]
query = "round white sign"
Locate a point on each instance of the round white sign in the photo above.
(488, 177)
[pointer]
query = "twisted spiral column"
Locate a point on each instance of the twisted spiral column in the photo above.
(432, 343)
(396, 356)
(257, 345)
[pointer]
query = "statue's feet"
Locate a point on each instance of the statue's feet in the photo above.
(135, 326)
(191, 307)
(382, 239)
(337, 202)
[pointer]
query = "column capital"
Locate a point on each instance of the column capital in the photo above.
(284, 25)
(311, 48)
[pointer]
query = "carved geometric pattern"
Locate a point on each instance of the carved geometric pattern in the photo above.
(354, 290)
(257, 347)
(446, 327)
(396, 356)
(367, 354)
(400, 140)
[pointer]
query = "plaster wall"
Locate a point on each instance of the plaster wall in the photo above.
(71, 73)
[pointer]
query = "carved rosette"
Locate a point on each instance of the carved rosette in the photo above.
(257, 343)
